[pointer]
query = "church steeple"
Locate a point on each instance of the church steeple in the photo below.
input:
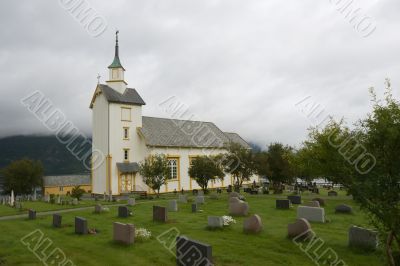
(116, 71)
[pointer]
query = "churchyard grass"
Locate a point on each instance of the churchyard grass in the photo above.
(230, 246)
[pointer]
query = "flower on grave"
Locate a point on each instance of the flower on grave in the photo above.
(142, 233)
(228, 220)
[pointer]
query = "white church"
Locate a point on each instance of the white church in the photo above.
(125, 137)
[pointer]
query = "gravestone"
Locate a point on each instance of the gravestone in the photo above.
(299, 227)
(234, 194)
(195, 192)
(124, 233)
(182, 198)
(57, 218)
(173, 205)
(81, 226)
(313, 204)
(123, 212)
(199, 199)
(295, 199)
(214, 196)
(160, 214)
(332, 193)
(46, 198)
(253, 224)
(74, 201)
(215, 222)
(192, 253)
(98, 208)
(321, 201)
(58, 199)
(131, 202)
(194, 207)
(343, 208)
(363, 238)
(283, 204)
(200, 193)
(18, 205)
(234, 200)
(311, 214)
(239, 209)
(32, 214)
(219, 190)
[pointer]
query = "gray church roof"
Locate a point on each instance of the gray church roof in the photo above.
(185, 133)
(130, 96)
(66, 180)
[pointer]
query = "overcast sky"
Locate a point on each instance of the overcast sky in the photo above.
(243, 65)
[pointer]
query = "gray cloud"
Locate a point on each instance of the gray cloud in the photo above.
(241, 64)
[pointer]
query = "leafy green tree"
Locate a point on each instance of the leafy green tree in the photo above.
(22, 176)
(155, 171)
(204, 169)
(279, 158)
(77, 192)
(239, 162)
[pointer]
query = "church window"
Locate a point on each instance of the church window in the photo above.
(126, 154)
(126, 132)
(125, 114)
(173, 164)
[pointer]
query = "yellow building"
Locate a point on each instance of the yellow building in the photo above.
(63, 184)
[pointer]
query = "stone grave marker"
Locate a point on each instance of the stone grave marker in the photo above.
(160, 214)
(311, 214)
(123, 211)
(332, 193)
(81, 226)
(74, 201)
(173, 205)
(98, 208)
(199, 199)
(320, 200)
(283, 204)
(299, 227)
(239, 209)
(313, 204)
(131, 201)
(192, 253)
(182, 198)
(253, 224)
(124, 233)
(363, 238)
(295, 199)
(194, 207)
(234, 194)
(31, 214)
(343, 208)
(57, 219)
(215, 222)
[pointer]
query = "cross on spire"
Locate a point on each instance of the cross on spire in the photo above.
(116, 62)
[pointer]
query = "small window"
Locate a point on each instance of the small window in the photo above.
(125, 114)
(126, 154)
(115, 74)
(126, 132)
(173, 167)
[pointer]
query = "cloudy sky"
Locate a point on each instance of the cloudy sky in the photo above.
(253, 67)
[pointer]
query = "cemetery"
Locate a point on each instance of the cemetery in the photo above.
(226, 230)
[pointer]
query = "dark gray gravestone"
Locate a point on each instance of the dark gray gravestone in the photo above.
(363, 238)
(57, 218)
(283, 204)
(191, 252)
(160, 214)
(123, 211)
(81, 226)
(343, 208)
(295, 199)
(194, 207)
(32, 214)
(332, 193)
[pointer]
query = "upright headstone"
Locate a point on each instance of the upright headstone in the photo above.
(200, 199)
(81, 226)
(131, 202)
(239, 209)
(332, 193)
(311, 214)
(98, 208)
(12, 199)
(234, 200)
(282, 204)
(173, 206)
(124, 233)
(182, 198)
(363, 238)
(295, 199)
(343, 208)
(58, 199)
(74, 201)
(313, 203)
(253, 224)
(194, 207)
(234, 194)
(200, 193)
(215, 222)
(300, 227)
(57, 218)
(320, 200)
(192, 253)
(123, 211)
(160, 214)
(32, 214)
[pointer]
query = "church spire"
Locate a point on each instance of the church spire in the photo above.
(116, 62)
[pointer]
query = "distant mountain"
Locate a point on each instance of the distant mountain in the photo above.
(56, 158)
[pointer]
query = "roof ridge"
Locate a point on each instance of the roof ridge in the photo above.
(181, 120)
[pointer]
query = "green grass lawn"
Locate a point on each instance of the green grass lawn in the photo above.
(230, 246)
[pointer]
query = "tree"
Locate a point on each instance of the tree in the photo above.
(77, 192)
(204, 169)
(22, 176)
(155, 171)
(366, 161)
(279, 159)
(239, 162)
